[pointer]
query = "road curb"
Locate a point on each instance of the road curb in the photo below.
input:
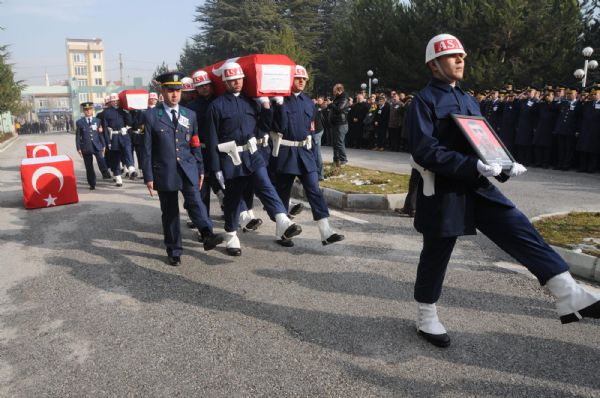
(8, 142)
(354, 201)
(580, 264)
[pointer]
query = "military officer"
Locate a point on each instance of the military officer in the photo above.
(567, 127)
(588, 141)
(510, 117)
(547, 111)
(231, 123)
(172, 162)
(528, 117)
(204, 88)
(116, 122)
(455, 198)
(90, 143)
(293, 155)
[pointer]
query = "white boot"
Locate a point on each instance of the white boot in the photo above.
(573, 302)
(285, 228)
(244, 217)
(132, 172)
(328, 236)
(232, 244)
(118, 181)
(430, 327)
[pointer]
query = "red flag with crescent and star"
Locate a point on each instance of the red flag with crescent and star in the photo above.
(48, 181)
(40, 149)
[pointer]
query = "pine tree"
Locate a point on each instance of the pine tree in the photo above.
(154, 86)
(10, 90)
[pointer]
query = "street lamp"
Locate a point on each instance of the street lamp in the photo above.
(363, 86)
(588, 65)
(371, 80)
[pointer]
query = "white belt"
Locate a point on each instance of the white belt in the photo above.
(233, 150)
(278, 140)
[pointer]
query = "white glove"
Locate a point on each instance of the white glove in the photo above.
(262, 100)
(278, 100)
(517, 169)
(491, 170)
(220, 179)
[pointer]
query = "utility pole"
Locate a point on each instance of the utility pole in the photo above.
(121, 69)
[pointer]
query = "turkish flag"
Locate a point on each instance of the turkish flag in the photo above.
(39, 149)
(48, 181)
(266, 75)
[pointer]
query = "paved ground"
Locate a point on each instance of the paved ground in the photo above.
(89, 308)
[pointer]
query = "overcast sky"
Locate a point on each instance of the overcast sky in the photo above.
(145, 32)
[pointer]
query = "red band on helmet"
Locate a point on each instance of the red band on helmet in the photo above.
(445, 45)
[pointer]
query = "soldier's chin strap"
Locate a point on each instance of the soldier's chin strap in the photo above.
(441, 71)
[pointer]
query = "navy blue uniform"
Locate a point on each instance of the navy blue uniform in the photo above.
(234, 118)
(294, 119)
(119, 144)
(567, 126)
(524, 139)
(174, 163)
(542, 138)
(135, 135)
(463, 200)
(90, 142)
(588, 142)
(494, 114)
(510, 118)
(200, 106)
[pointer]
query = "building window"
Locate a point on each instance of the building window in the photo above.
(84, 97)
(98, 82)
(97, 56)
(81, 82)
(80, 71)
(78, 57)
(97, 68)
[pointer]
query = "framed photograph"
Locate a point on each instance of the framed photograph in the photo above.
(484, 140)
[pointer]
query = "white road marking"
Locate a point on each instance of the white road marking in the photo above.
(346, 217)
(9, 145)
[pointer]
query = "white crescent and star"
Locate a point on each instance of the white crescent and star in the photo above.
(40, 147)
(47, 170)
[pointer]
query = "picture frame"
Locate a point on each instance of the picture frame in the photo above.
(484, 140)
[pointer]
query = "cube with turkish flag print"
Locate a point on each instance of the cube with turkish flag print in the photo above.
(265, 75)
(48, 181)
(40, 149)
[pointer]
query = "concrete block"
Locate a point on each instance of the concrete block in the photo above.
(395, 200)
(367, 201)
(580, 264)
(335, 198)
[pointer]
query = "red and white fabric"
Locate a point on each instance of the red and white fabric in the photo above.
(48, 181)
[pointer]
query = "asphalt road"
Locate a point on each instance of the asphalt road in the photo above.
(88, 306)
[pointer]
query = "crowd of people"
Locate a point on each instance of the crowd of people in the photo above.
(45, 125)
(551, 127)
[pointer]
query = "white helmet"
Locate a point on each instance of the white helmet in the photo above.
(200, 78)
(187, 84)
(114, 97)
(153, 96)
(443, 44)
(107, 99)
(300, 71)
(232, 71)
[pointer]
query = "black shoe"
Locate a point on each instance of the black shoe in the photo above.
(591, 311)
(285, 242)
(291, 231)
(191, 224)
(106, 175)
(92, 187)
(233, 251)
(296, 209)
(252, 225)
(438, 340)
(211, 240)
(332, 239)
(174, 260)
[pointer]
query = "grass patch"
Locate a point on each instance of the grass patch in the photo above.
(351, 179)
(5, 136)
(573, 230)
